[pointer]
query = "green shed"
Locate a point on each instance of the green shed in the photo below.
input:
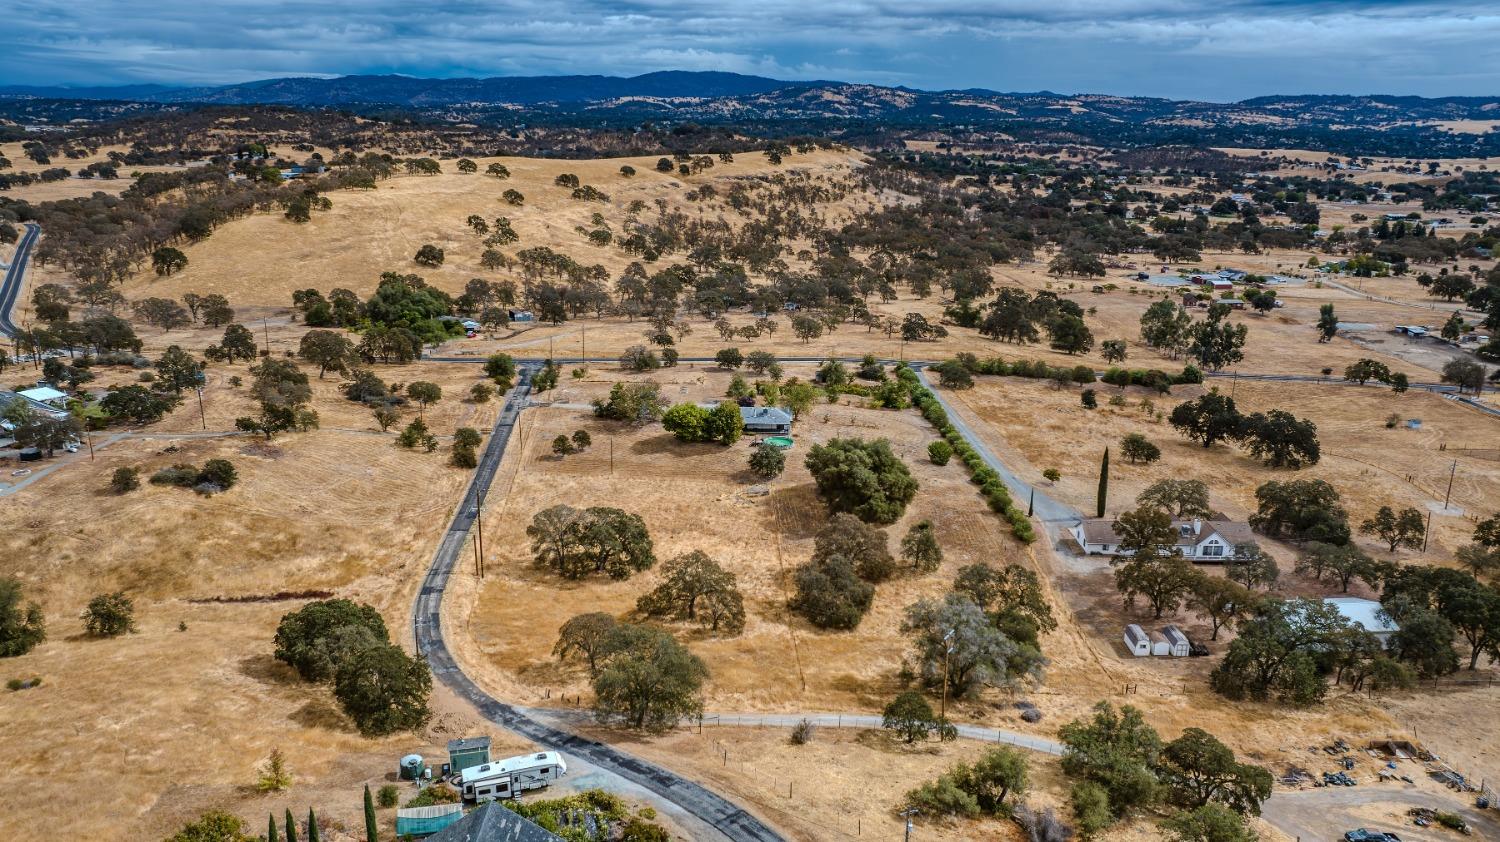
(467, 753)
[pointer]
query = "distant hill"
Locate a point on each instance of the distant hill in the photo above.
(719, 96)
(413, 92)
(874, 114)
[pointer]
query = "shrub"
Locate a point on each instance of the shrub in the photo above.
(1089, 399)
(388, 796)
(463, 457)
(943, 797)
(830, 595)
(21, 627)
(218, 472)
(767, 461)
(274, 776)
(639, 358)
(940, 452)
(1137, 448)
(438, 793)
(125, 480)
(109, 615)
(639, 830)
(802, 732)
(1090, 805)
(181, 475)
(1452, 821)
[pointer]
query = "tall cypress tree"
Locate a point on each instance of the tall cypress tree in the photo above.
(312, 826)
(1103, 483)
(372, 833)
(291, 826)
(271, 835)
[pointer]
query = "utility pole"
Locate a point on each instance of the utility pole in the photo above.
(1452, 472)
(478, 571)
(585, 328)
(1428, 532)
(479, 519)
(943, 704)
(908, 813)
(89, 437)
(202, 419)
(265, 331)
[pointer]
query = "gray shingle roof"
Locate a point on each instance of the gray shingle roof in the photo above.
(1102, 531)
(494, 822)
(765, 415)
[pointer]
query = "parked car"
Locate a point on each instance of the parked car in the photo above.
(1362, 835)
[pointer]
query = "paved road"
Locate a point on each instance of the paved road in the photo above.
(713, 811)
(1046, 509)
(10, 289)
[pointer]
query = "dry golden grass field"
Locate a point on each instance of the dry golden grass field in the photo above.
(262, 259)
(343, 509)
(1032, 427)
(861, 773)
(177, 721)
(1369, 464)
(695, 497)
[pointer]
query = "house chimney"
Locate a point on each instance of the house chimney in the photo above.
(1197, 526)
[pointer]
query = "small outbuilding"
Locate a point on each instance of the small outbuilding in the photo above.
(1367, 614)
(1160, 648)
(1178, 644)
(45, 394)
(468, 752)
(1137, 641)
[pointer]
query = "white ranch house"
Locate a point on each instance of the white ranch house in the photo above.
(1197, 539)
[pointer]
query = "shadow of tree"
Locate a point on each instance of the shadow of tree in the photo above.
(267, 670)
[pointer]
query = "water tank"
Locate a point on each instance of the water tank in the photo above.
(411, 767)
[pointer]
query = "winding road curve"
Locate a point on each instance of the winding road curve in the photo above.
(713, 810)
(15, 275)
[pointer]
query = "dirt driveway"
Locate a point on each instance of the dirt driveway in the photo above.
(1323, 815)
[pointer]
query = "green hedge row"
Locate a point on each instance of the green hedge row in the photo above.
(1083, 374)
(989, 482)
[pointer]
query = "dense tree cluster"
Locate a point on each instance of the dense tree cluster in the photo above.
(378, 685)
(581, 542)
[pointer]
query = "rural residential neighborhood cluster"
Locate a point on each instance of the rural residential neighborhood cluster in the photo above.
(703, 456)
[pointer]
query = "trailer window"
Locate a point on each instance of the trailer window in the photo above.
(543, 771)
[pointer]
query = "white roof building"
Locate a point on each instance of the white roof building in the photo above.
(1367, 614)
(43, 394)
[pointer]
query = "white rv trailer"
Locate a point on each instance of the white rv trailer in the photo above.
(510, 777)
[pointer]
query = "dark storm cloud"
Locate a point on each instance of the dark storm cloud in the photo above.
(1221, 50)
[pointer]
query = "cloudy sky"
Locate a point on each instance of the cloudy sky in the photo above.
(1230, 49)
